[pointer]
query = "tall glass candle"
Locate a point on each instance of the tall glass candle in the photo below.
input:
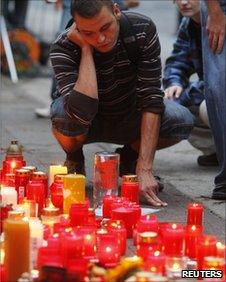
(195, 214)
(192, 236)
(17, 249)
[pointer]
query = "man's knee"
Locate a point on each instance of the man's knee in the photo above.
(68, 143)
(203, 113)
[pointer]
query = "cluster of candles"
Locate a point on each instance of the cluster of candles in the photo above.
(62, 236)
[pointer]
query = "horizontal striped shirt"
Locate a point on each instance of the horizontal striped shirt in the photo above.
(123, 88)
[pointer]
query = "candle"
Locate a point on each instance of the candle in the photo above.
(117, 228)
(147, 243)
(48, 256)
(56, 169)
(127, 216)
(9, 180)
(173, 239)
(174, 266)
(9, 196)
(56, 191)
(50, 215)
(74, 190)
(107, 201)
(30, 207)
(17, 236)
(192, 236)
(206, 247)
(4, 214)
(40, 176)
(221, 250)
(130, 188)
(77, 270)
(155, 262)
(21, 179)
(78, 214)
(108, 252)
(36, 192)
(194, 214)
(88, 233)
(214, 263)
(36, 240)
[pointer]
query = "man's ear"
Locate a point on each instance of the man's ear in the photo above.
(117, 11)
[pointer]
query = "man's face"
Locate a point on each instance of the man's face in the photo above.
(188, 8)
(100, 31)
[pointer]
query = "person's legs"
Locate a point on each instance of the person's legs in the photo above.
(215, 93)
(19, 15)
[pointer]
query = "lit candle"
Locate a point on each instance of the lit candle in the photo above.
(155, 262)
(36, 192)
(17, 250)
(108, 251)
(107, 201)
(117, 228)
(74, 190)
(56, 191)
(50, 215)
(174, 266)
(221, 250)
(215, 263)
(147, 243)
(173, 239)
(56, 169)
(88, 234)
(78, 214)
(21, 180)
(130, 188)
(206, 247)
(195, 214)
(9, 196)
(192, 236)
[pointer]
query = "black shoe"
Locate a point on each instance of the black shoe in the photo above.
(75, 162)
(208, 160)
(128, 162)
(219, 193)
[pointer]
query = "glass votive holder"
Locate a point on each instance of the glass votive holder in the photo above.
(174, 266)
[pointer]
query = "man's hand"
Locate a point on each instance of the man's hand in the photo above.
(173, 92)
(216, 24)
(75, 36)
(149, 188)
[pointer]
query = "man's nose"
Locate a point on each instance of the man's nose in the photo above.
(101, 38)
(184, 2)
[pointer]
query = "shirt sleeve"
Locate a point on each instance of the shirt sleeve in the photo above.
(65, 59)
(149, 93)
(179, 66)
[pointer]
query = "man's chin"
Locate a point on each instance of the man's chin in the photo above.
(105, 49)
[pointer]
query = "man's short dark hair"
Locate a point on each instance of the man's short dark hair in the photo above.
(89, 8)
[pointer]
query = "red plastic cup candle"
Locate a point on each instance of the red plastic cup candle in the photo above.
(78, 214)
(21, 180)
(108, 252)
(148, 243)
(56, 191)
(206, 247)
(88, 234)
(41, 176)
(48, 256)
(117, 228)
(195, 214)
(127, 216)
(130, 188)
(155, 262)
(192, 236)
(36, 192)
(173, 239)
(107, 201)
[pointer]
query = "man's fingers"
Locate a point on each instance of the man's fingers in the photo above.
(178, 92)
(220, 42)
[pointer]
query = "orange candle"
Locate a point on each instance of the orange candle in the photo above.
(17, 236)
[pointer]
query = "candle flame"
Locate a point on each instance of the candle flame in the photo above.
(13, 164)
(88, 237)
(219, 245)
(174, 226)
(108, 249)
(2, 256)
(55, 235)
(153, 269)
(193, 228)
(176, 266)
(156, 253)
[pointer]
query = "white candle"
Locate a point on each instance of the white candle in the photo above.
(9, 196)
(56, 169)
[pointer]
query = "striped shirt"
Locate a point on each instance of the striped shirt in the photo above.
(123, 88)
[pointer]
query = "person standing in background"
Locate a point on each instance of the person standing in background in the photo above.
(214, 60)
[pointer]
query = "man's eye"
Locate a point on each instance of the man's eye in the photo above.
(105, 28)
(87, 33)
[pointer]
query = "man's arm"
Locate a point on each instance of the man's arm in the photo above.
(149, 138)
(215, 25)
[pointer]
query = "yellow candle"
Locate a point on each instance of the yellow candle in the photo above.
(74, 190)
(56, 169)
(17, 236)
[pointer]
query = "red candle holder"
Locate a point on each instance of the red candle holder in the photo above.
(130, 188)
(36, 192)
(48, 257)
(206, 247)
(107, 201)
(41, 177)
(78, 214)
(147, 243)
(77, 269)
(88, 234)
(56, 191)
(195, 214)
(21, 180)
(156, 262)
(173, 239)
(192, 236)
(221, 250)
(117, 228)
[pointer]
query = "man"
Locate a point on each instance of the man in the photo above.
(214, 58)
(184, 61)
(106, 96)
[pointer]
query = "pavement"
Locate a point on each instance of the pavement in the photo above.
(185, 180)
